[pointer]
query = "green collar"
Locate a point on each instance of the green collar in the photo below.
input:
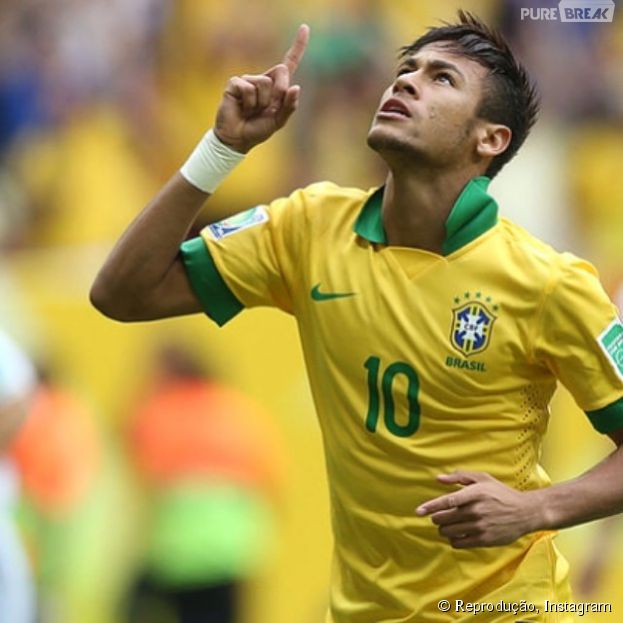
(474, 212)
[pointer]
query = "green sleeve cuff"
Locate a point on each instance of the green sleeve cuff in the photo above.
(217, 299)
(609, 418)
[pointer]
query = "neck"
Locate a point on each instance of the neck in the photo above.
(416, 205)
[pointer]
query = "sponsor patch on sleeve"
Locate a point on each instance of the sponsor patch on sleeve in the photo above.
(611, 342)
(238, 222)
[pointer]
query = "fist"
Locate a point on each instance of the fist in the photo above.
(255, 106)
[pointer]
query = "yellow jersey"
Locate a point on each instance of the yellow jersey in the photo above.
(421, 364)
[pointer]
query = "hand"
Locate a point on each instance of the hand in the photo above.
(254, 107)
(484, 513)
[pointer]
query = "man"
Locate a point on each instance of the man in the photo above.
(433, 332)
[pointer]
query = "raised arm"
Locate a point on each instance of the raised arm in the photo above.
(143, 278)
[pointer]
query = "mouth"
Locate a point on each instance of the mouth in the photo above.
(394, 108)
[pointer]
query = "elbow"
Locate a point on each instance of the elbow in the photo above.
(112, 304)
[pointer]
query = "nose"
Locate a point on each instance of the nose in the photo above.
(405, 83)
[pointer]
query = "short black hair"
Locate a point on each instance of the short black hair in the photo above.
(510, 97)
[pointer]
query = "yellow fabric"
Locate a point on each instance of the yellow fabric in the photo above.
(397, 312)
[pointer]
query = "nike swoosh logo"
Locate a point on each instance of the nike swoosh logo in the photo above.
(317, 295)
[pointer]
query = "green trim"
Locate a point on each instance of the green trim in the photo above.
(217, 299)
(609, 418)
(369, 223)
(473, 213)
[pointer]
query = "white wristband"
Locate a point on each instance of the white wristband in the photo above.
(210, 163)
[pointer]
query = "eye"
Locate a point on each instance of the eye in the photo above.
(403, 70)
(445, 77)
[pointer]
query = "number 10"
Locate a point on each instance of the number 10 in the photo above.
(372, 365)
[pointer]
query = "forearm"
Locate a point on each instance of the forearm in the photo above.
(596, 494)
(487, 512)
(146, 251)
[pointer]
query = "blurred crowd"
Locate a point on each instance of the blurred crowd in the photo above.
(101, 100)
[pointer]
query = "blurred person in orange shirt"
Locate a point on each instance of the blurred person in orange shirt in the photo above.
(57, 453)
(211, 468)
(57, 450)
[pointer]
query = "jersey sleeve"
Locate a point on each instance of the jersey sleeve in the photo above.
(248, 260)
(580, 338)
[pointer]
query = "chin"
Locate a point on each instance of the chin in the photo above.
(385, 140)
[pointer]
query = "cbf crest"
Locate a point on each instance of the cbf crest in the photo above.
(472, 326)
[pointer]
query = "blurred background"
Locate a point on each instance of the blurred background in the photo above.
(100, 102)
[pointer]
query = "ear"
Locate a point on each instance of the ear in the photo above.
(492, 139)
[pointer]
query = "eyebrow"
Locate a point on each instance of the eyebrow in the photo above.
(435, 63)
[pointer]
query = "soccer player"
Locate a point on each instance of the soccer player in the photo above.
(433, 331)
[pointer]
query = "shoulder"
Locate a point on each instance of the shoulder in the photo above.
(541, 259)
(328, 194)
(319, 204)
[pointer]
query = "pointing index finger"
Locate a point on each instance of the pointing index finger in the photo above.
(295, 53)
(447, 502)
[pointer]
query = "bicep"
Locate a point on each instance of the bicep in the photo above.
(577, 341)
(173, 296)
